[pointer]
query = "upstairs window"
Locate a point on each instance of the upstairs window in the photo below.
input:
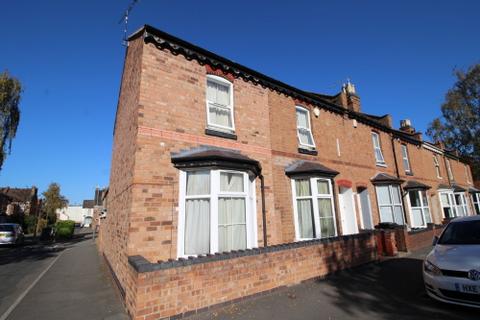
(449, 171)
(406, 161)
(467, 174)
(304, 131)
(313, 208)
(220, 104)
(377, 149)
(437, 167)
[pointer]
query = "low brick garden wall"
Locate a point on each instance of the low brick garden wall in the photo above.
(416, 239)
(185, 286)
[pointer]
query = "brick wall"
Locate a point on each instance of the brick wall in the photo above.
(182, 287)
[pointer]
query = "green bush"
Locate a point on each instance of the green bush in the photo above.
(64, 229)
(29, 224)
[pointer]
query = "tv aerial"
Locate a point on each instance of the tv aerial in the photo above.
(124, 20)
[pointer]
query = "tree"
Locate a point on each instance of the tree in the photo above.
(10, 91)
(53, 201)
(459, 126)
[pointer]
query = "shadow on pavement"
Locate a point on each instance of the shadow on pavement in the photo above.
(393, 289)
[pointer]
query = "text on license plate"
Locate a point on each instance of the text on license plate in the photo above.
(467, 288)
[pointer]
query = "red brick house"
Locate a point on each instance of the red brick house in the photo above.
(226, 183)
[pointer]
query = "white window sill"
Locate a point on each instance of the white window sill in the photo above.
(381, 164)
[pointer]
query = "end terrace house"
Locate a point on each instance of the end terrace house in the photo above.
(226, 183)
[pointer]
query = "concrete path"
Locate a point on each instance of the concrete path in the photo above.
(390, 290)
(68, 281)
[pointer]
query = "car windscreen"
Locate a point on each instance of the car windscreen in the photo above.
(6, 227)
(462, 232)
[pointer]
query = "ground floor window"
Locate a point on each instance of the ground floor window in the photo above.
(448, 204)
(476, 202)
(420, 209)
(313, 208)
(461, 203)
(390, 204)
(217, 212)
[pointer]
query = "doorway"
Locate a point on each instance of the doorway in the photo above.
(347, 211)
(366, 209)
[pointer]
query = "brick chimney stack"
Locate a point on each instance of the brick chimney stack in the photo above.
(350, 97)
(406, 126)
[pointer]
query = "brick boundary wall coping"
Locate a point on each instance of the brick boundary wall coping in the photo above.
(142, 265)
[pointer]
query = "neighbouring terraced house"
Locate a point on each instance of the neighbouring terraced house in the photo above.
(226, 183)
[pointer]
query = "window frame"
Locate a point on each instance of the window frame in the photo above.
(476, 202)
(422, 207)
(310, 131)
(379, 147)
(437, 167)
(451, 204)
(406, 159)
(449, 170)
(213, 126)
(249, 194)
(316, 213)
(391, 205)
(462, 205)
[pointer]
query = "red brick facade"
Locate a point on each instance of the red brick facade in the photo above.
(162, 110)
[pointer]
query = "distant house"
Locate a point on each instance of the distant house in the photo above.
(19, 201)
(81, 214)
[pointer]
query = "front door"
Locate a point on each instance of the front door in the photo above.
(366, 210)
(347, 211)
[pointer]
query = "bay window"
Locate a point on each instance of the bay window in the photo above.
(217, 212)
(220, 104)
(476, 202)
(390, 204)
(313, 208)
(461, 203)
(304, 131)
(448, 204)
(420, 209)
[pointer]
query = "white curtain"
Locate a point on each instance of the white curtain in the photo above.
(305, 136)
(220, 116)
(302, 187)
(231, 182)
(398, 215)
(198, 183)
(386, 214)
(232, 231)
(197, 226)
(305, 223)
(428, 218)
(322, 187)
(383, 195)
(218, 93)
(302, 119)
(327, 225)
(417, 216)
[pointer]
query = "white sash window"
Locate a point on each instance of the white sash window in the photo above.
(390, 204)
(377, 148)
(220, 104)
(304, 131)
(419, 207)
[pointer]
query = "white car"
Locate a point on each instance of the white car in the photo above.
(451, 271)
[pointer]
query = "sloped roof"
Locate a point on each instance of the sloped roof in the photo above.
(457, 188)
(208, 156)
(309, 167)
(88, 204)
(18, 194)
(473, 190)
(386, 178)
(443, 186)
(413, 184)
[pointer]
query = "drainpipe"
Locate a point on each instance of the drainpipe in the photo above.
(446, 168)
(264, 213)
(398, 176)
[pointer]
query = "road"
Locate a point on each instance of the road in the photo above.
(390, 290)
(59, 281)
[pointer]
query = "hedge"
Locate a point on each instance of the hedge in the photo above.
(64, 229)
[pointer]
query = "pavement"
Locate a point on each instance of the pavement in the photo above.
(70, 281)
(390, 290)
(57, 281)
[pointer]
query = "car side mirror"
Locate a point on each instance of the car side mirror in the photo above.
(435, 240)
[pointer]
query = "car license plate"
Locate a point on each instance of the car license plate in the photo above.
(467, 288)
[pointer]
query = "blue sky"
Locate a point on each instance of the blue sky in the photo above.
(68, 54)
